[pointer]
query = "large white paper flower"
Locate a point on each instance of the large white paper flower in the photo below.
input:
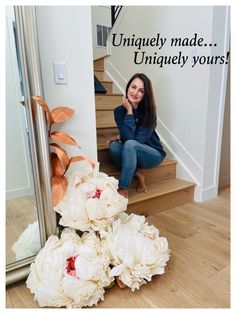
(137, 251)
(28, 244)
(90, 203)
(71, 271)
(81, 171)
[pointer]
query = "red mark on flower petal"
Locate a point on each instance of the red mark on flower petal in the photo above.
(97, 194)
(70, 266)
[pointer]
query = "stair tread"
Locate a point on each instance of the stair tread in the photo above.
(105, 81)
(106, 125)
(109, 94)
(158, 189)
(102, 146)
(98, 70)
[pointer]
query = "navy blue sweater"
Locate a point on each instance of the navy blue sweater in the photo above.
(130, 130)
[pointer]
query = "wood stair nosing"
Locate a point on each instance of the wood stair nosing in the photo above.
(98, 70)
(109, 94)
(101, 133)
(102, 146)
(105, 125)
(107, 81)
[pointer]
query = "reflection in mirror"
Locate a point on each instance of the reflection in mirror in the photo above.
(22, 232)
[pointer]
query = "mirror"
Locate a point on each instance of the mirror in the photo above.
(22, 231)
(30, 217)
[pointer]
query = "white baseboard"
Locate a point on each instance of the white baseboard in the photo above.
(208, 193)
(18, 193)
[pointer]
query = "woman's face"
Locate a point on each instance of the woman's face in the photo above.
(135, 92)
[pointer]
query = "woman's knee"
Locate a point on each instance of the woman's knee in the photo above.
(115, 147)
(131, 144)
(149, 162)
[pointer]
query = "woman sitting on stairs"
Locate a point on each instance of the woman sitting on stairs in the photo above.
(138, 145)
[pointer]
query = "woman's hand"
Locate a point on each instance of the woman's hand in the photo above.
(127, 105)
(113, 139)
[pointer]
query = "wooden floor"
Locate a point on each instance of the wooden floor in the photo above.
(20, 212)
(198, 273)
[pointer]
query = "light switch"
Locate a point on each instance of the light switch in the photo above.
(60, 75)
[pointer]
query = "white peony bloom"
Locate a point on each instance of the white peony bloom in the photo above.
(92, 204)
(71, 271)
(137, 252)
(81, 171)
(28, 244)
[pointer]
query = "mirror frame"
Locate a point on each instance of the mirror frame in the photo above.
(26, 29)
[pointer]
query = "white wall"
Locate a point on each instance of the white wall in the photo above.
(101, 15)
(189, 100)
(65, 35)
(215, 105)
(19, 181)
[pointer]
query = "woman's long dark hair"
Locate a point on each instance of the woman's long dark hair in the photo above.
(147, 107)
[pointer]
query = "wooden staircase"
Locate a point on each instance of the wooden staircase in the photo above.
(164, 189)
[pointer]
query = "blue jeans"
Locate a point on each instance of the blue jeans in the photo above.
(132, 155)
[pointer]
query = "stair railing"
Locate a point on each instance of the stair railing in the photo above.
(115, 11)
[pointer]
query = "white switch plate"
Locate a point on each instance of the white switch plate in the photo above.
(60, 73)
